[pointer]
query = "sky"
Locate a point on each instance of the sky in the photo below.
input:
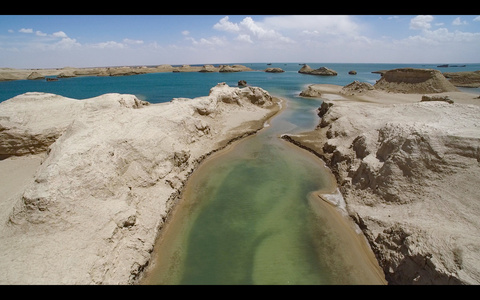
(56, 41)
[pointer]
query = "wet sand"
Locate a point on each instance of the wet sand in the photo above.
(352, 237)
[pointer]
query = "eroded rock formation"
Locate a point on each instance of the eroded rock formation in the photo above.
(112, 170)
(410, 80)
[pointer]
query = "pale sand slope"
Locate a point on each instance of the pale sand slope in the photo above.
(111, 170)
(409, 172)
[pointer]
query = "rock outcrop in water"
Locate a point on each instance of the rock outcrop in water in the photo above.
(274, 70)
(112, 169)
(208, 69)
(310, 92)
(233, 68)
(322, 71)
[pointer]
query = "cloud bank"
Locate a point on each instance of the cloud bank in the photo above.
(285, 38)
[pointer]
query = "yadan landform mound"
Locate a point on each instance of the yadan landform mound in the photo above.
(410, 80)
(409, 171)
(106, 173)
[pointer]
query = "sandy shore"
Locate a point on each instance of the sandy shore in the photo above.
(407, 171)
(90, 189)
(351, 236)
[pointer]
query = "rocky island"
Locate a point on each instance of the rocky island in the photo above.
(274, 70)
(408, 171)
(322, 71)
(84, 194)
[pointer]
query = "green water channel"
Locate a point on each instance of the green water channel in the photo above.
(247, 217)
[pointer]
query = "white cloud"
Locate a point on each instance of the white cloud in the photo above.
(132, 42)
(108, 44)
(438, 45)
(48, 42)
(244, 38)
(59, 34)
(249, 24)
(226, 25)
(248, 29)
(49, 45)
(215, 40)
(443, 35)
(66, 43)
(262, 32)
(310, 32)
(271, 38)
(324, 24)
(421, 22)
(26, 30)
(458, 22)
(212, 41)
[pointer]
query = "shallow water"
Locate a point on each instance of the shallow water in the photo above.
(246, 218)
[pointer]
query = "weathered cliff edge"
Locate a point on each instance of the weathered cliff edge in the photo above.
(464, 79)
(112, 170)
(409, 172)
(458, 79)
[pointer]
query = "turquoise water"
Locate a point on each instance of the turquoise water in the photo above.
(248, 217)
(162, 87)
(250, 225)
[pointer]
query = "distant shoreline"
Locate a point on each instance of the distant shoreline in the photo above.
(466, 79)
(9, 74)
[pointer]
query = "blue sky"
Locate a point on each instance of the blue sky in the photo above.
(44, 41)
